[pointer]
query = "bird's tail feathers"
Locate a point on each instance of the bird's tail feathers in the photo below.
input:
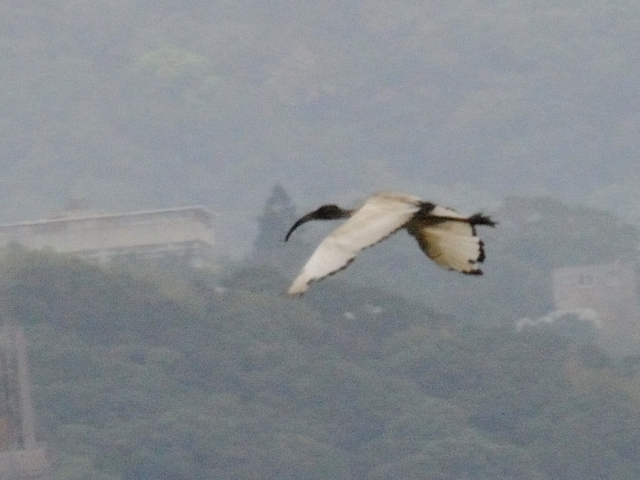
(480, 219)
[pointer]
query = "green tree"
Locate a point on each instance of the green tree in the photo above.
(269, 247)
(278, 215)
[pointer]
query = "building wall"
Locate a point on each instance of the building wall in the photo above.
(611, 290)
(101, 235)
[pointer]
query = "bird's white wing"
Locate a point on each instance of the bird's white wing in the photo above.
(379, 217)
(452, 244)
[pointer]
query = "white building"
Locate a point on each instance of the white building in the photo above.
(185, 232)
(612, 290)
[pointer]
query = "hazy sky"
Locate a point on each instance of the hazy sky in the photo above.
(137, 105)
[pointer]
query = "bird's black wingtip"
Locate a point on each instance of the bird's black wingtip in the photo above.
(480, 219)
(476, 271)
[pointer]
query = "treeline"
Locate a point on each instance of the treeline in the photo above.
(203, 376)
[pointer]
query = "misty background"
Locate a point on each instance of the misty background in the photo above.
(262, 111)
(139, 104)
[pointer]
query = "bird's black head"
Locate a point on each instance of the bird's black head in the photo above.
(329, 212)
(325, 212)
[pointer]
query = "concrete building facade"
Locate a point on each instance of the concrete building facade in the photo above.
(183, 232)
(612, 290)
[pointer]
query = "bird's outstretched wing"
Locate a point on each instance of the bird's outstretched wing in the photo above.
(450, 239)
(380, 216)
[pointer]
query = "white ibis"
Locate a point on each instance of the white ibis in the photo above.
(447, 237)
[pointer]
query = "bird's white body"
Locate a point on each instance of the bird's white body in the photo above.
(446, 237)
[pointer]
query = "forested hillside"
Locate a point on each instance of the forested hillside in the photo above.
(148, 104)
(392, 370)
(148, 375)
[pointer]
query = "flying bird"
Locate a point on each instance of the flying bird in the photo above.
(447, 237)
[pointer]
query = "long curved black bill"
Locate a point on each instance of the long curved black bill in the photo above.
(304, 219)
